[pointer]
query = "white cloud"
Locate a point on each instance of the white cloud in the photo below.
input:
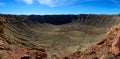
(26, 1)
(47, 2)
(50, 3)
(54, 3)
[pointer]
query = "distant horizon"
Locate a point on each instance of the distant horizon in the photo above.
(58, 14)
(63, 14)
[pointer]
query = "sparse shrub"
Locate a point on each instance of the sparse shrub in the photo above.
(65, 58)
(1, 55)
(26, 57)
(38, 57)
(93, 57)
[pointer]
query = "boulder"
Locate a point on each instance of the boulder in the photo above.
(115, 49)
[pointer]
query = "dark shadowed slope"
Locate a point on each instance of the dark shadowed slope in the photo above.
(56, 33)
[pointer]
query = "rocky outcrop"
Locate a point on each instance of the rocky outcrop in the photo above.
(114, 35)
(115, 49)
(20, 53)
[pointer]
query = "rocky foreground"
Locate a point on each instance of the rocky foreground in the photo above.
(9, 52)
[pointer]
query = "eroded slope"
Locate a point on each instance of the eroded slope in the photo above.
(57, 34)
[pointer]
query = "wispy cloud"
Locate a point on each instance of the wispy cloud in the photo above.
(55, 3)
(47, 2)
(50, 3)
(26, 1)
(2, 4)
(117, 2)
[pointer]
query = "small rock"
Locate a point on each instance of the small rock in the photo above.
(107, 57)
(26, 57)
(54, 57)
(65, 58)
(93, 57)
(1, 48)
(101, 42)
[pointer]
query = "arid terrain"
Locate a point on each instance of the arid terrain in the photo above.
(59, 35)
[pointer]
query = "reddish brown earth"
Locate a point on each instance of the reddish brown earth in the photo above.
(17, 53)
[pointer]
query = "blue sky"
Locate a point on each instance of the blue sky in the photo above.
(42, 7)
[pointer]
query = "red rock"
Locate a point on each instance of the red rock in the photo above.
(1, 48)
(115, 49)
(84, 57)
(1, 43)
